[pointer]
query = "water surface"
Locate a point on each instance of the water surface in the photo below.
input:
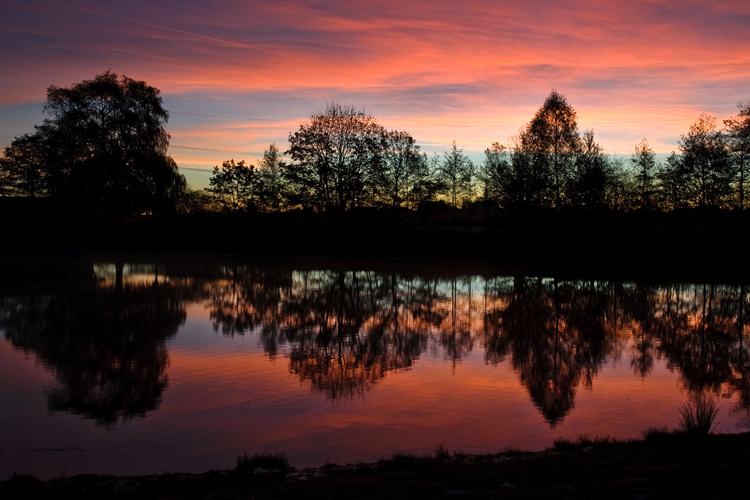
(133, 367)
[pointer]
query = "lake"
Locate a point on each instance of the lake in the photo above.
(139, 365)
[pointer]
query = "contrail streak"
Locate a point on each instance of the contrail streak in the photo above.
(196, 148)
(182, 32)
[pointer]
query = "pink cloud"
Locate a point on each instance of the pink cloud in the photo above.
(443, 70)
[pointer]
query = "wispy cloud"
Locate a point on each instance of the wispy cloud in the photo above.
(240, 74)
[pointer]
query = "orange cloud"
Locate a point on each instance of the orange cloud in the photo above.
(644, 68)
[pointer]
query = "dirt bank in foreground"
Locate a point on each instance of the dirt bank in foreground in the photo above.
(663, 466)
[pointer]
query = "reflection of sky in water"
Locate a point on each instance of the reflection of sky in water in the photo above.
(348, 379)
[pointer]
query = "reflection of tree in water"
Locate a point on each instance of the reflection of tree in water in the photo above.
(556, 334)
(105, 344)
(640, 309)
(346, 330)
(246, 298)
(703, 336)
(455, 334)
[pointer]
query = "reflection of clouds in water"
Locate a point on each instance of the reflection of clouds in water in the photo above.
(343, 331)
(341, 327)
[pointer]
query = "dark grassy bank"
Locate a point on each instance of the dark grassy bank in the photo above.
(705, 244)
(662, 465)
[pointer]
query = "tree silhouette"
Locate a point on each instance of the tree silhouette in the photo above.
(521, 180)
(402, 176)
(619, 192)
(23, 166)
(738, 139)
(193, 201)
(272, 187)
(6, 182)
(456, 172)
(494, 173)
(334, 156)
(552, 136)
(706, 158)
(676, 183)
(591, 177)
(106, 146)
(233, 185)
(644, 162)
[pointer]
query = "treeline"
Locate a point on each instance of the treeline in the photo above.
(104, 150)
(342, 159)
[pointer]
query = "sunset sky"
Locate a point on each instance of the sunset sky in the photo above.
(238, 75)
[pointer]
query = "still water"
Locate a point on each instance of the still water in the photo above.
(134, 366)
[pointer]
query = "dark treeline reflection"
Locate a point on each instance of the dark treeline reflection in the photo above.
(556, 334)
(346, 330)
(104, 339)
(343, 331)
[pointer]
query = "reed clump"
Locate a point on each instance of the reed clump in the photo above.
(697, 417)
(583, 441)
(266, 461)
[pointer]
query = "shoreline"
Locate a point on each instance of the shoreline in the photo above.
(687, 246)
(709, 269)
(660, 465)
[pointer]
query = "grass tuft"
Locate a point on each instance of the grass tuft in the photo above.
(404, 457)
(654, 435)
(697, 417)
(268, 461)
(405, 461)
(583, 441)
(563, 444)
(604, 442)
(441, 452)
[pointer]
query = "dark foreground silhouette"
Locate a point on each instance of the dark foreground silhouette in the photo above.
(697, 244)
(664, 465)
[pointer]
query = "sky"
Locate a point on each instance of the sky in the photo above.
(236, 75)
